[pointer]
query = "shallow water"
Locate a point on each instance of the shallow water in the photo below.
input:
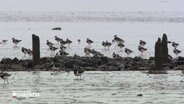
(96, 88)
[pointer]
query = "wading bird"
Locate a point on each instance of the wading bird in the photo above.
(142, 49)
(5, 76)
(16, 41)
(77, 71)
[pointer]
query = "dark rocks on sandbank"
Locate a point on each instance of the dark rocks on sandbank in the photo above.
(90, 64)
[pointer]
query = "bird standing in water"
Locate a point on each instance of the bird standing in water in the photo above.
(5, 77)
(77, 71)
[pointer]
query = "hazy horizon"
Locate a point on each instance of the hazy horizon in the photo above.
(91, 5)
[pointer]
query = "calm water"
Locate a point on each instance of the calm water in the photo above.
(96, 88)
(131, 32)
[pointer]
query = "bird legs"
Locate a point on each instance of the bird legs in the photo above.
(6, 80)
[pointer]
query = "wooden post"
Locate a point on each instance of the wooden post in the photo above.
(36, 49)
(165, 49)
(158, 55)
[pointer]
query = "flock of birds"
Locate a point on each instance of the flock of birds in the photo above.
(87, 50)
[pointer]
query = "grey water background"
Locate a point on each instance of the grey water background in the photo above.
(98, 26)
(95, 87)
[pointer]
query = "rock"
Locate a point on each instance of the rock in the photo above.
(104, 59)
(137, 59)
(151, 58)
(180, 62)
(69, 64)
(180, 58)
(181, 67)
(28, 64)
(17, 67)
(143, 68)
(157, 72)
(114, 94)
(6, 61)
(40, 66)
(89, 69)
(140, 95)
(15, 60)
(57, 28)
(45, 60)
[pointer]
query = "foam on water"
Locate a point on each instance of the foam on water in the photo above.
(96, 88)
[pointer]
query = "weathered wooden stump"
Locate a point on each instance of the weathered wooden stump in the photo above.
(158, 55)
(36, 49)
(165, 49)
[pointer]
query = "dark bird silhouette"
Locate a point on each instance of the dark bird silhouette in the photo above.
(117, 39)
(176, 51)
(142, 49)
(63, 42)
(50, 44)
(58, 39)
(121, 45)
(5, 77)
(114, 55)
(108, 44)
(52, 48)
(128, 51)
(78, 40)
(142, 43)
(4, 41)
(96, 53)
(62, 47)
(104, 44)
(68, 41)
(53, 67)
(24, 51)
(29, 52)
(169, 42)
(63, 53)
(16, 41)
(87, 51)
(77, 71)
(175, 45)
(89, 41)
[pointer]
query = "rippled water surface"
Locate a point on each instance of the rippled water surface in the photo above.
(131, 32)
(96, 88)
